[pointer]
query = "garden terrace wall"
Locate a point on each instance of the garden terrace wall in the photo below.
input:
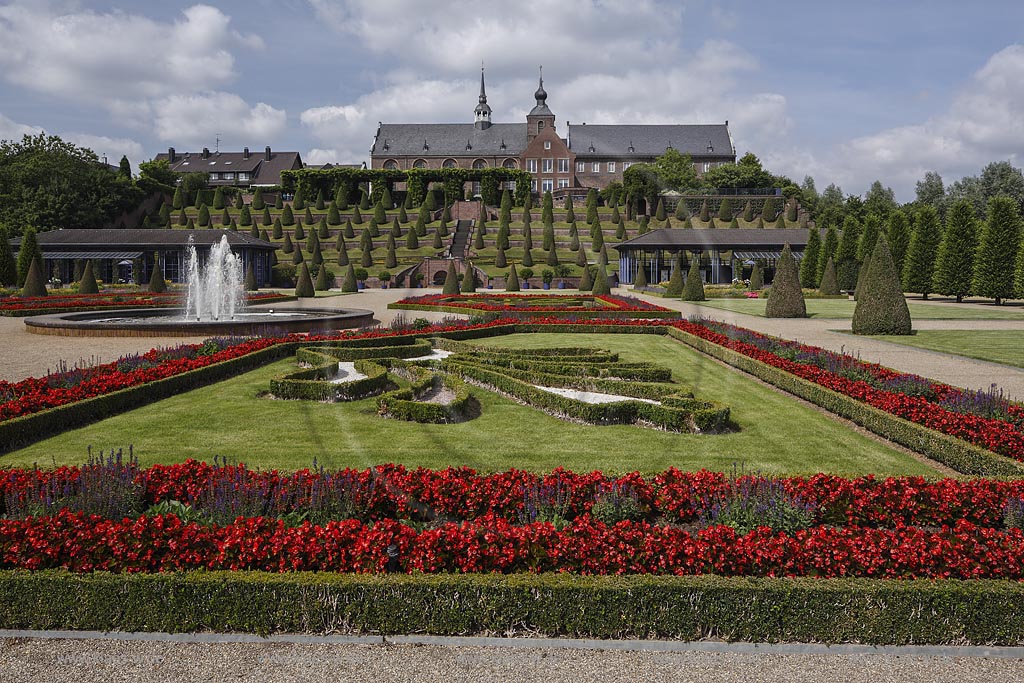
(875, 612)
(955, 453)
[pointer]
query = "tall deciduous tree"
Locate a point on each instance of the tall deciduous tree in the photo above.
(954, 267)
(919, 267)
(997, 250)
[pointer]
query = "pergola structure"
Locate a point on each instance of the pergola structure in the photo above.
(130, 254)
(722, 251)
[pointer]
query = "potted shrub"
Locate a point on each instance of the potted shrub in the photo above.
(524, 275)
(385, 279)
(561, 272)
(418, 280)
(361, 276)
(547, 275)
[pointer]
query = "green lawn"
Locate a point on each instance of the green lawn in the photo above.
(777, 434)
(842, 309)
(997, 346)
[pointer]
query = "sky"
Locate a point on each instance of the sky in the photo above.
(846, 93)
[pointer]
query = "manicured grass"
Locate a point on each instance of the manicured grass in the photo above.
(996, 346)
(841, 309)
(777, 435)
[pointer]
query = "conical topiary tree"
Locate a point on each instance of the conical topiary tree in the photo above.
(178, 201)
(451, 280)
(288, 247)
(586, 280)
(659, 212)
(357, 215)
(250, 278)
(693, 290)
(349, 284)
(705, 212)
(512, 285)
(547, 211)
(277, 233)
(257, 200)
(725, 210)
(847, 266)
(299, 201)
(954, 267)
(254, 231)
(786, 299)
(333, 215)
(581, 257)
(828, 250)
(756, 278)
(437, 244)
(552, 257)
(321, 229)
(528, 257)
(809, 263)
(87, 285)
(403, 215)
(412, 241)
(919, 267)
(390, 258)
(287, 217)
(304, 286)
(35, 284)
(500, 259)
(829, 283)
(899, 238)
(881, 307)
(640, 280)
(601, 285)
(28, 252)
(267, 219)
(342, 254)
(320, 206)
(300, 232)
(676, 280)
(204, 217)
(366, 259)
(297, 256)
(157, 284)
(748, 213)
(322, 283)
(469, 279)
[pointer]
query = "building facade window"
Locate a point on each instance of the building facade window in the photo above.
(581, 166)
(547, 166)
(540, 126)
(510, 163)
(391, 165)
(563, 182)
(547, 144)
(241, 176)
(533, 185)
(547, 185)
(531, 166)
(596, 167)
(419, 163)
(479, 163)
(563, 165)
(706, 167)
(476, 187)
(626, 164)
(215, 176)
(611, 167)
(449, 163)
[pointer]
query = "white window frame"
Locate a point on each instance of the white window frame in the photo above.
(581, 167)
(533, 185)
(563, 165)
(596, 167)
(547, 144)
(707, 167)
(531, 165)
(215, 176)
(611, 167)
(241, 176)
(626, 164)
(547, 185)
(563, 182)
(547, 165)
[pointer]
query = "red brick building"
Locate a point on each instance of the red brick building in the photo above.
(587, 156)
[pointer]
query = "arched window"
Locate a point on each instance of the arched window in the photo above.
(419, 163)
(479, 163)
(391, 165)
(449, 163)
(510, 163)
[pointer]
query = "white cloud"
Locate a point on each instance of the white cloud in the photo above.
(317, 156)
(113, 148)
(197, 119)
(12, 130)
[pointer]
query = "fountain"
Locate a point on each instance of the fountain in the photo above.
(214, 305)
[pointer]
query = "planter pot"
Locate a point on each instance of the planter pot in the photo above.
(383, 285)
(490, 286)
(561, 285)
(525, 285)
(361, 286)
(547, 285)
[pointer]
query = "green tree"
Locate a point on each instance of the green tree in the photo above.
(300, 232)
(125, 167)
(298, 201)
(349, 284)
(297, 256)
(469, 279)
(931, 191)
(601, 286)
(847, 266)
(829, 282)
(218, 199)
(357, 216)
(693, 289)
(640, 279)
(287, 217)
(512, 284)
(366, 259)
(880, 201)
(304, 287)
(320, 205)
(28, 252)
(547, 215)
(87, 284)
(919, 268)
(881, 307)
(288, 247)
(378, 213)
(257, 200)
(586, 280)
(705, 212)
(898, 236)
(756, 278)
(412, 241)
(954, 266)
(786, 299)
(451, 280)
(659, 213)
(8, 266)
(725, 210)
(675, 171)
(204, 217)
(348, 231)
(323, 280)
(391, 259)
(809, 263)
(768, 210)
(35, 283)
(333, 216)
(676, 280)
(998, 244)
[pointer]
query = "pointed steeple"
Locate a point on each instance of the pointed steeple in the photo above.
(482, 112)
(541, 108)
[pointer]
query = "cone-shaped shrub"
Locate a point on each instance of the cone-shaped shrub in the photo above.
(437, 244)
(768, 210)
(321, 229)
(234, 226)
(620, 229)
(349, 284)
(297, 256)
(178, 201)
(298, 201)
(396, 228)
(365, 240)
(379, 214)
(570, 212)
(581, 258)
(616, 216)
(549, 237)
(659, 213)
(357, 216)
(847, 267)
(500, 260)
(244, 217)
(705, 212)
(204, 216)
(348, 231)
(254, 231)
(528, 257)
(304, 285)
(403, 215)
(190, 225)
(528, 238)
(469, 279)
(668, 222)
(28, 252)
(257, 200)
(320, 200)
(760, 223)
(711, 224)
(225, 218)
(322, 284)
(407, 203)
(333, 216)
(250, 278)
(35, 285)
(278, 233)
(502, 240)
(341, 197)
(586, 280)
(287, 217)
(157, 284)
(87, 285)
(881, 307)
(317, 254)
(998, 243)
(640, 281)
(601, 285)
(756, 278)
(429, 201)
(342, 254)
(552, 258)
(791, 211)
(300, 232)
(527, 220)
(829, 282)
(364, 200)
(675, 282)
(748, 212)
(373, 228)
(734, 223)
(725, 210)
(391, 259)
(574, 242)
(780, 222)
(309, 216)
(366, 260)
(512, 285)
(451, 280)
(267, 219)
(786, 299)
(239, 202)
(645, 227)
(809, 263)
(828, 251)
(899, 238)
(681, 213)
(693, 290)
(412, 241)
(547, 212)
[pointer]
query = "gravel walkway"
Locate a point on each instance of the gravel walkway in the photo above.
(83, 661)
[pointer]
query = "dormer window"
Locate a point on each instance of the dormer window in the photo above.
(591, 148)
(469, 145)
(631, 149)
(425, 146)
(386, 146)
(710, 147)
(502, 146)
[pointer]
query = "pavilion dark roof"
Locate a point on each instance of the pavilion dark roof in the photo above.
(675, 239)
(111, 239)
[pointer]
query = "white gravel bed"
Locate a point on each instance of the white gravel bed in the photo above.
(591, 396)
(347, 373)
(436, 354)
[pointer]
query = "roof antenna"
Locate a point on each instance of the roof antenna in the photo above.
(217, 145)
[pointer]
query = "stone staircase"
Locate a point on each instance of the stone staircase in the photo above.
(460, 240)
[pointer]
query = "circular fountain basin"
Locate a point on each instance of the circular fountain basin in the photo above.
(145, 322)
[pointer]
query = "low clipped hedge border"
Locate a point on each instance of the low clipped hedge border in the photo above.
(872, 611)
(314, 384)
(405, 404)
(955, 453)
(596, 314)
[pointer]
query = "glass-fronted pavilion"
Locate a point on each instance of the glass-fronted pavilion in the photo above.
(723, 252)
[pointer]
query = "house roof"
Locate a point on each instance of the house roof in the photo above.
(650, 140)
(261, 171)
(134, 240)
(449, 139)
(692, 239)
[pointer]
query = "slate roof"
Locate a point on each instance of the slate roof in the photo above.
(68, 240)
(767, 239)
(649, 140)
(449, 139)
(261, 172)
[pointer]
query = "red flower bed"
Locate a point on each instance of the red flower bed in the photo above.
(79, 302)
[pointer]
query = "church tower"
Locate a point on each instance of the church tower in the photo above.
(540, 117)
(482, 118)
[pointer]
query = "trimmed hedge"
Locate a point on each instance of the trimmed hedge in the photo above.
(595, 314)
(871, 611)
(314, 384)
(960, 455)
(407, 404)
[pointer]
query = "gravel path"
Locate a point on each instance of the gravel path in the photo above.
(83, 661)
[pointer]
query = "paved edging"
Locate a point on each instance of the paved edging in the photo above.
(997, 652)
